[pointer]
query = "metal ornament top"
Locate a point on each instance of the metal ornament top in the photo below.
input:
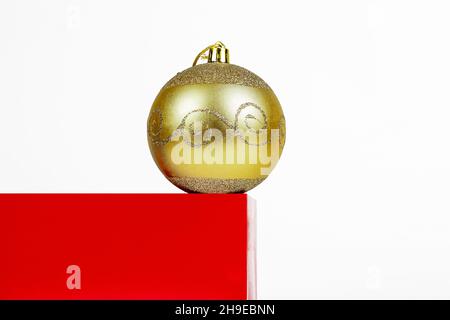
(214, 53)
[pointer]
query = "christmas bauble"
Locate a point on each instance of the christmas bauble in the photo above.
(216, 127)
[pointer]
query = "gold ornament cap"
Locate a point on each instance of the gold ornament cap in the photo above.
(214, 53)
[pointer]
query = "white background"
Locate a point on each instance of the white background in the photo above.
(358, 206)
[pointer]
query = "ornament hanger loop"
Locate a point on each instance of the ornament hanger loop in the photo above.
(216, 53)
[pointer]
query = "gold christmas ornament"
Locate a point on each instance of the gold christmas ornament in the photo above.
(216, 127)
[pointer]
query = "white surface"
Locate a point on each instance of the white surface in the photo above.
(358, 206)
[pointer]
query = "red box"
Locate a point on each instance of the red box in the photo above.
(127, 246)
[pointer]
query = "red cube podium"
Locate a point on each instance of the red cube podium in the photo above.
(127, 246)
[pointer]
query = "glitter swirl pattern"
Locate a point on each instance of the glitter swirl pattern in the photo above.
(255, 114)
